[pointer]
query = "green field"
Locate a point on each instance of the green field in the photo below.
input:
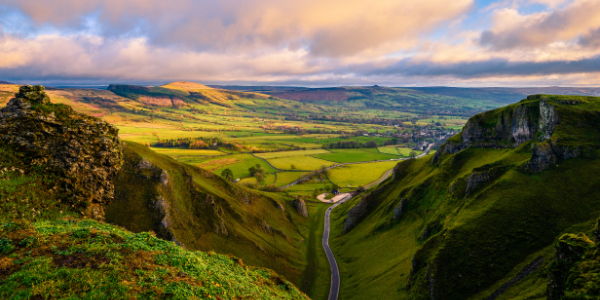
(396, 150)
(285, 178)
(359, 174)
(237, 163)
(302, 162)
(269, 179)
(355, 155)
(290, 153)
(178, 153)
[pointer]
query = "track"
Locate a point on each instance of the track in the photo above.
(334, 288)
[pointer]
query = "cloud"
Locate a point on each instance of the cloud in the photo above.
(324, 27)
(513, 30)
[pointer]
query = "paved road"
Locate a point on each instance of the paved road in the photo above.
(334, 288)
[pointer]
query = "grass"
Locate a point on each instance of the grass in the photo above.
(486, 236)
(355, 155)
(396, 150)
(290, 153)
(301, 162)
(90, 260)
(180, 153)
(285, 178)
(237, 163)
(269, 179)
(316, 278)
(359, 174)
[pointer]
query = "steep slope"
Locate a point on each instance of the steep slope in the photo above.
(58, 167)
(201, 211)
(479, 218)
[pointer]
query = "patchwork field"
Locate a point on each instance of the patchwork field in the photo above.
(396, 150)
(180, 153)
(355, 155)
(359, 174)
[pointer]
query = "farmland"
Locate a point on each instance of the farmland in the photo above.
(300, 162)
(355, 155)
(359, 174)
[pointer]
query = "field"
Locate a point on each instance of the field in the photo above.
(301, 162)
(359, 174)
(355, 155)
(285, 178)
(396, 150)
(181, 153)
(290, 153)
(269, 179)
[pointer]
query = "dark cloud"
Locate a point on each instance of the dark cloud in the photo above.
(591, 40)
(490, 68)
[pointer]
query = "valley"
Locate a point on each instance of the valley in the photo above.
(247, 173)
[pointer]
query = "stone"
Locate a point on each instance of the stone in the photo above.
(84, 151)
(301, 207)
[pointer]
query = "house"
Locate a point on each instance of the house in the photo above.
(335, 192)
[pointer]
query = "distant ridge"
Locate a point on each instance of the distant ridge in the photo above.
(186, 86)
(5, 82)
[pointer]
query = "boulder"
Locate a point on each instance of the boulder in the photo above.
(301, 207)
(84, 151)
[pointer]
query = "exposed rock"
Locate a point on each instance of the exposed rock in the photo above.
(301, 207)
(399, 209)
(542, 157)
(84, 150)
(515, 125)
(164, 177)
(362, 209)
(266, 227)
(528, 269)
(477, 178)
(569, 249)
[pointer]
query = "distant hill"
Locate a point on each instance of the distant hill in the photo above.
(179, 93)
(5, 82)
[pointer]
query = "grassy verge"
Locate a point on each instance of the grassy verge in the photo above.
(316, 279)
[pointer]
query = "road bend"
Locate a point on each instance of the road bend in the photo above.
(334, 288)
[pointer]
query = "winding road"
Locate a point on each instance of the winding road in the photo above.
(334, 288)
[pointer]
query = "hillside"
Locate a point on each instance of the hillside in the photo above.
(59, 169)
(479, 219)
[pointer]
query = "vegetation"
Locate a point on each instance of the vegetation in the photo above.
(471, 221)
(355, 155)
(359, 174)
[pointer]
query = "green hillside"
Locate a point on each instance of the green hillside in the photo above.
(67, 181)
(477, 220)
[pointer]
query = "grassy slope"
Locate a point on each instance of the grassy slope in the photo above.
(70, 259)
(316, 278)
(200, 203)
(495, 231)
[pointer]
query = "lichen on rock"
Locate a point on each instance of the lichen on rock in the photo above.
(83, 150)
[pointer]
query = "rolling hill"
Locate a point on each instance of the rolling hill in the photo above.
(480, 218)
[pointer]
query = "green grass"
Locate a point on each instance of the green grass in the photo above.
(180, 153)
(90, 260)
(478, 241)
(269, 179)
(285, 178)
(317, 276)
(238, 164)
(355, 155)
(359, 174)
(270, 155)
(300, 162)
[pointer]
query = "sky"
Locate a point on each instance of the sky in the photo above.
(302, 42)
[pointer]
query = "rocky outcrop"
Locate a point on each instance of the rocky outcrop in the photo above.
(83, 150)
(505, 127)
(399, 209)
(301, 207)
(362, 209)
(569, 249)
(528, 269)
(549, 153)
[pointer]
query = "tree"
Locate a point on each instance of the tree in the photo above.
(293, 167)
(260, 177)
(227, 174)
(412, 154)
(252, 171)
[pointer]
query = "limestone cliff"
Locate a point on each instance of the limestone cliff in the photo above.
(83, 150)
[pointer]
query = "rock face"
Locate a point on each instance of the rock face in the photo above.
(362, 209)
(84, 150)
(569, 249)
(301, 207)
(505, 127)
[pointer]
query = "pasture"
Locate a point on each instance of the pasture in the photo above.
(355, 155)
(301, 162)
(269, 155)
(359, 174)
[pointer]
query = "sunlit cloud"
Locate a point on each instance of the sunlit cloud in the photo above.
(313, 42)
